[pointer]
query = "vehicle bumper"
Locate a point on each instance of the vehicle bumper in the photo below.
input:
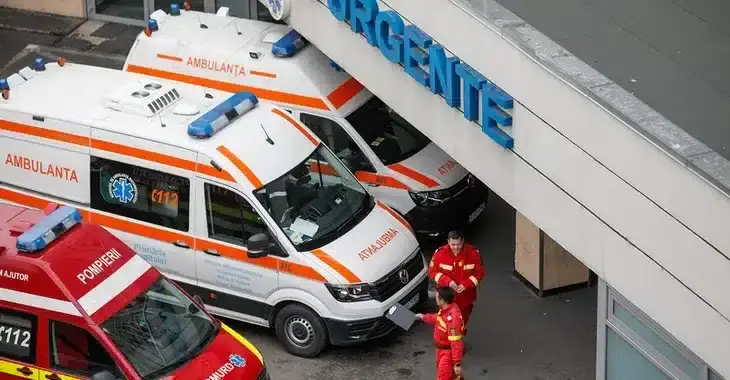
(438, 220)
(357, 331)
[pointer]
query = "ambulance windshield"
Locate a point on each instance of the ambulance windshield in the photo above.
(317, 201)
(389, 135)
(160, 330)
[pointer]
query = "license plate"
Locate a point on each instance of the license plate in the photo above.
(477, 212)
(412, 302)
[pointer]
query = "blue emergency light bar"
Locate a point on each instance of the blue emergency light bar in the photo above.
(220, 116)
(288, 45)
(47, 230)
(4, 84)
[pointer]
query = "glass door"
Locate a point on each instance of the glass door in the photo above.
(196, 5)
(132, 12)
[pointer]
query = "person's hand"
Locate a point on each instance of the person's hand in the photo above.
(419, 316)
(460, 288)
(453, 285)
(457, 370)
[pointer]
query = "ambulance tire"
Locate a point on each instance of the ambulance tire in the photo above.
(301, 331)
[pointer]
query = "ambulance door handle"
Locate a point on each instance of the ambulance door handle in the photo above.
(211, 251)
(53, 376)
(181, 244)
(25, 371)
(373, 184)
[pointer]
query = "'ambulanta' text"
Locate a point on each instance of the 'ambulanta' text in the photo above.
(40, 167)
(447, 167)
(379, 244)
(221, 372)
(105, 261)
(217, 66)
(13, 275)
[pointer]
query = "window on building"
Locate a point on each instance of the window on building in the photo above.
(140, 193)
(230, 217)
(338, 141)
(624, 362)
(638, 348)
(18, 336)
(74, 350)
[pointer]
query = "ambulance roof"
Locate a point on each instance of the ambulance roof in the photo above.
(52, 279)
(308, 73)
(110, 100)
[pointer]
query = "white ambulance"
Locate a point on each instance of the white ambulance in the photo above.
(399, 165)
(232, 198)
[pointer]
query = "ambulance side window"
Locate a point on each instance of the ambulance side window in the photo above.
(18, 336)
(74, 350)
(230, 217)
(140, 193)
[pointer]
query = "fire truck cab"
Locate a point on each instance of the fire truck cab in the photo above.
(77, 303)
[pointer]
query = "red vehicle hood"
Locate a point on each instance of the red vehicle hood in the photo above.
(230, 356)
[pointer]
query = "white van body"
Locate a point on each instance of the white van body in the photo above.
(204, 209)
(402, 167)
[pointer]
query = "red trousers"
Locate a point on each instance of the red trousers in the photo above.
(445, 366)
(466, 308)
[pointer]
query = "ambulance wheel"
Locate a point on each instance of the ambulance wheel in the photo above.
(301, 330)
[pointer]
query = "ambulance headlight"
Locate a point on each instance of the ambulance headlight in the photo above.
(430, 198)
(350, 293)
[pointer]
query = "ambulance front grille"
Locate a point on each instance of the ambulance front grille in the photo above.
(390, 284)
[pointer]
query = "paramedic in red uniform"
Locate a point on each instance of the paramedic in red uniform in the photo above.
(458, 266)
(448, 330)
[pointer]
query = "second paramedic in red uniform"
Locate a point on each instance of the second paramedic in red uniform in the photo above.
(448, 329)
(459, 266)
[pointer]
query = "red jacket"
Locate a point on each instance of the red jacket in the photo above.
(448, 329)
(466, 269)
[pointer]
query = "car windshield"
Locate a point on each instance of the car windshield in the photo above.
(160, 330)
(317, 201)
(389, 135)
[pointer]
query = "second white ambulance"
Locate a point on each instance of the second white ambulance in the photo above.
(399, 165)
(231, 198)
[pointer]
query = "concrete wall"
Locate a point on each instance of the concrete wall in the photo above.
(72, 8)
(635, 215)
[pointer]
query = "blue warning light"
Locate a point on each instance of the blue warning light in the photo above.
(288, 45)
(175, 9)
(152, 25)
(48, 229)
(39, 65)
(220, 116)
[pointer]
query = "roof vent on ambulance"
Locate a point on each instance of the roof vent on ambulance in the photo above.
(143, 98)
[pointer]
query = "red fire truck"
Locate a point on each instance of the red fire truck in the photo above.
(77, 303)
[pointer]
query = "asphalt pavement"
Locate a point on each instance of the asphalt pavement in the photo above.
(513, 334)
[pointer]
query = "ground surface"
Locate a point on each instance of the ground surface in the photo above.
(513, 336)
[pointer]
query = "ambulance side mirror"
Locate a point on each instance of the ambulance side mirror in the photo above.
(257, 245)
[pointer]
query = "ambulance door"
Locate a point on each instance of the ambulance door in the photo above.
(238, 283)
(18, 345)
(350, 151)
(146, 205)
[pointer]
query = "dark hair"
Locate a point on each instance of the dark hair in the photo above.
(456, 235)
(446, 294)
